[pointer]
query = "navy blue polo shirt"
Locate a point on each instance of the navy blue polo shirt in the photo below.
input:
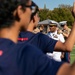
(25, 59)
(42, 41)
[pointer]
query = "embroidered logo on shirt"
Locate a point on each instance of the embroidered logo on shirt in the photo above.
(1, 52)
(22, 39)
(55, 36)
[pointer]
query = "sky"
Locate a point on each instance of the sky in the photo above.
(51, 4)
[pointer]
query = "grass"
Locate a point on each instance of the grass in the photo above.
(72, 55)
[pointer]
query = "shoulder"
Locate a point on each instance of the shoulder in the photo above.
(28, 49)
(26, 32)
(30, 55)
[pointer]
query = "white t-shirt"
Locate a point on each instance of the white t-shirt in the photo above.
(56, 55)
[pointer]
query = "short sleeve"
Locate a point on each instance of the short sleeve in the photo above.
(48, 66)
(47, 43)
(36, 62)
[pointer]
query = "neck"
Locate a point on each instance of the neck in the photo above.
(10, 33)
(31, 26)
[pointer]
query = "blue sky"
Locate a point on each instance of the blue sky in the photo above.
(51, 4)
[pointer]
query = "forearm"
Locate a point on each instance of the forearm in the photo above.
(67, 69)
(68, 44)
(73, 69)
(65, 35)
(70, 41)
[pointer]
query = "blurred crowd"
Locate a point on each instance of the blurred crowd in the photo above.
(29, 48)
(58, 31)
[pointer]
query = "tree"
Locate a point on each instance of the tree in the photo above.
(63, 12)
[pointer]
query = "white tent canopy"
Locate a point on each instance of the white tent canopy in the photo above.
(62, 22)
(48, 22)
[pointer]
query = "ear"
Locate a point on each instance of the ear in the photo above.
(19, 11)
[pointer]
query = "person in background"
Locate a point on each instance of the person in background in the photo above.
(31, 26)
(65, 31)
(41, 27)
(57, 36)
(36, 30)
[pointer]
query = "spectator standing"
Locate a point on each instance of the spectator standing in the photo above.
(65, 31)
(57, 36)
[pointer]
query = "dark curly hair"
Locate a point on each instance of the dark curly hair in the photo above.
(7, 7)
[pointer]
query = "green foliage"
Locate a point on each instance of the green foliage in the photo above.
(72, 55)
(63, 13)
(43, 14)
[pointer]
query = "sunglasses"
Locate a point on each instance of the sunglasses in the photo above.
(33, 6)
(62, 25)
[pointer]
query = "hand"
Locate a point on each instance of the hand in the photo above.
(73, 10)
(59, 31)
